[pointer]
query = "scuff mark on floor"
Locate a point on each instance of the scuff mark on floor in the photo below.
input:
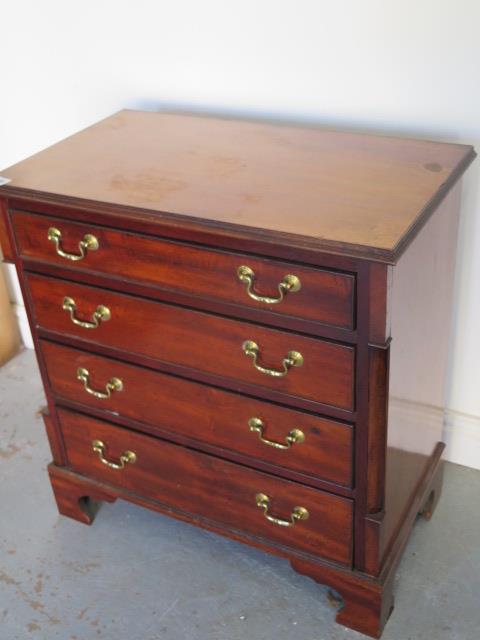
(33, 604)
(39, 584)
(9, 452)
(81, 568)
(82, 613)
(168, 609)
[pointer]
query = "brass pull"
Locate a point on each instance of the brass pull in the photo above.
(126, 457)
(114, 384)
(102, 314)
(89, 243)
(298, 513)
(295, 436)
(292, 359)
(289, 283)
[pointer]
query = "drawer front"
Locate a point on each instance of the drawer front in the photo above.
(291, 439)
(206, 486)
(326, 297)
(198, 340)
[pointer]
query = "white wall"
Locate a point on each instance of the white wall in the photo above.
(408, 67)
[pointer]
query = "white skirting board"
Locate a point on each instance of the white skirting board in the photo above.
(421, 425)
(462, 436)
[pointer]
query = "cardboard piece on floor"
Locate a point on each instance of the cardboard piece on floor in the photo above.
(9, 333)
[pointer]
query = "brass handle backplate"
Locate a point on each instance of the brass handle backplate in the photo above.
(290, 283)
(292, 359)
(298, 513)
(114, 384)
(128, 457)
(295, 436)
(89, 243)
(101, 314)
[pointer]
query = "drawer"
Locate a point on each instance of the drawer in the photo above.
(209, 487)
(310, 445)
(197, 340)
(324, 296)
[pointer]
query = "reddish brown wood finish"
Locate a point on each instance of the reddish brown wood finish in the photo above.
(215, 489)
(6, 248)
(377, 421)
(336, 191)
(53, 438)
(249, 314)
(367, 602)
(408, 377)
(338, 207)
(408, 496)
(211, 415)
(73, 499)
(325, 297)
(198, 340)
(196, 232)
(380, 276)
(366, 605)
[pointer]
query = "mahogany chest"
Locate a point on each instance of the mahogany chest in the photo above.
(238, 325)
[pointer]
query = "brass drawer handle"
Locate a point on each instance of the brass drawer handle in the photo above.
(298, 513)
(292, 359)
(114, 384)
(126, 457)
(102, 314)
(89, 243)
(295, 436)
(289, 283)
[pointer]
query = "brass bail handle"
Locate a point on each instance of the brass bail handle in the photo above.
(101, 314)
(88, 243)
(289, 284)
(128, 457)
(292, 359)
(295, 436)
(297, 514)
(114, 384)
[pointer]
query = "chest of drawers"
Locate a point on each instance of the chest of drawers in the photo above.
(239, 325)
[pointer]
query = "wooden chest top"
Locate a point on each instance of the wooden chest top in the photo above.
(344, 193)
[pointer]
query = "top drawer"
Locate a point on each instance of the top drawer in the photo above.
(317, 295)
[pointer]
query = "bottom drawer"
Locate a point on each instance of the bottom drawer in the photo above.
(229, 494)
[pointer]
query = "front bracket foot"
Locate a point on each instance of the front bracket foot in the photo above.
(363, 604)
(77, 498)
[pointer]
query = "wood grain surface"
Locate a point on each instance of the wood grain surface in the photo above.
(325, 296)
(178, 203)
(343, 190)
(204, 414)
(216, 489)
(6, 249)
(198, 340)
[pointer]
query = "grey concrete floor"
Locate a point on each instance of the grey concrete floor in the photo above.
(137, 575)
